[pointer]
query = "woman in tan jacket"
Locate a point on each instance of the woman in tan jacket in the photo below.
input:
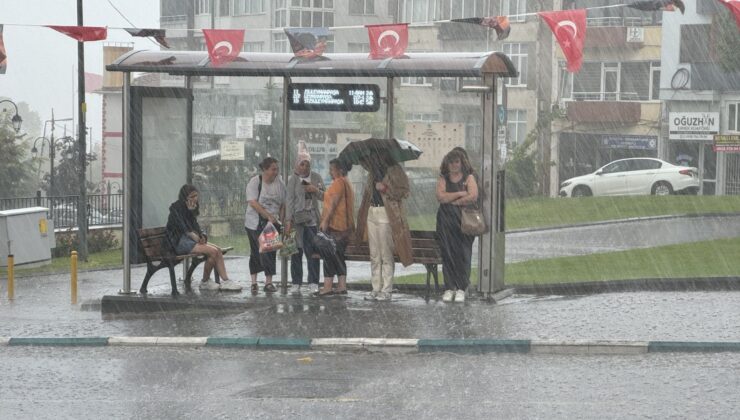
(381, 221)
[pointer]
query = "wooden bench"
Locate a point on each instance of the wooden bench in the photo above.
(157, 249)
(425, 250)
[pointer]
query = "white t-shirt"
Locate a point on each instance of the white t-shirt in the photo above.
(271, 198)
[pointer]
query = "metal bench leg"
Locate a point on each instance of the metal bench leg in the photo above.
(435, 273)
(150, 270)
(188, 280)
(171, 268)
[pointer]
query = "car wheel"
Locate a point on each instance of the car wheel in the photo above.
(662, 188)
(581, 191)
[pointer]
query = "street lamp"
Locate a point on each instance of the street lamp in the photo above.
(52, 155)
(16, 120)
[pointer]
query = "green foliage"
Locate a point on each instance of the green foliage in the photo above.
(728, 39)
(16, 169)
(67, 170)
(525, 170)
(97, 241)
(374, 122)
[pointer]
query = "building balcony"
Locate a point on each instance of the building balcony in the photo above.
(174, 22)
(604, 112)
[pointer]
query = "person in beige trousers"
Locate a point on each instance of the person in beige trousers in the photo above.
(382, 222)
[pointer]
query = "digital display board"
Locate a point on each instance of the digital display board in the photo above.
(347, 97)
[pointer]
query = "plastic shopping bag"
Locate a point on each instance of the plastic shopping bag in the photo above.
(290, 246)
(269, 239)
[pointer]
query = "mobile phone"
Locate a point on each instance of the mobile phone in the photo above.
(304, 182)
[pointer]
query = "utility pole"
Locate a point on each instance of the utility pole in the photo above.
(81, 143)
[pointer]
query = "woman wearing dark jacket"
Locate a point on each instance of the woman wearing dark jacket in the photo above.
(185, 237)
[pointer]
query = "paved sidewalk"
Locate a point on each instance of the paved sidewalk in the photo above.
(42, 309)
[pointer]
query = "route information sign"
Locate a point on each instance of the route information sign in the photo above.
(346, 97)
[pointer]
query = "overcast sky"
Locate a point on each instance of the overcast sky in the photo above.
(42, 62)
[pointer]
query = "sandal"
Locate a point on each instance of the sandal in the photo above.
(324, 294)
(255, 288)
(270, 288)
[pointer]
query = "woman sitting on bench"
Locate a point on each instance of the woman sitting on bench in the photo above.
(185, 237)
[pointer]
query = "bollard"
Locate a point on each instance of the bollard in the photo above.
(73, 263)
(11, 279)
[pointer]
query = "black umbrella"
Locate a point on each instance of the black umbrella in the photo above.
(397, 150)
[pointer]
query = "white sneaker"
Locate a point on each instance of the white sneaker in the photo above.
(460, 296)
(230, 285)
(208, 285)
(384, 296)
(371, 296)
(448, 296)
(313, 287)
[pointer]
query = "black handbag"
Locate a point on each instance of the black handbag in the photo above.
(324, 244)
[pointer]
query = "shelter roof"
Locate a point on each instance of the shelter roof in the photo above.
(438, 64)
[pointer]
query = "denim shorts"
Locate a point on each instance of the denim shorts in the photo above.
(184, 245)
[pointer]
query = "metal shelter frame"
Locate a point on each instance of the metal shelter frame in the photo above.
(484, 65)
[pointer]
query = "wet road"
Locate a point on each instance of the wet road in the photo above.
(170, 383)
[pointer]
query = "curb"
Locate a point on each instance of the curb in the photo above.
(463, 346)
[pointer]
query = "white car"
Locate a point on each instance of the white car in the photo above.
(635, 176)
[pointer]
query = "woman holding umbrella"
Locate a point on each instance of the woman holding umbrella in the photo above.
(381, 220)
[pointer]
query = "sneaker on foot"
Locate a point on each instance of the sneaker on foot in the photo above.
(230, 285)
(371, 296)
(460, 296)
(448, 296)
(208, 285)
(384, 296)
(313, 287)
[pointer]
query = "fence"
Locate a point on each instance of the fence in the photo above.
(102, 209)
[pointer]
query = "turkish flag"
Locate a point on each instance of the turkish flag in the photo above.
(3, 53)
(224, 45)
(388, 40)
(734, 6)
(569, 28)
(82, 33)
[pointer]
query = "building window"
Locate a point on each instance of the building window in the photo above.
(416, 11)
(248, 7)
(733, 117)
(514, 9)
(202, 7)
(518, 55)
(516, 125)
(304, 13)
(422, 117)
(224, 7)
(456, 9)
(252, 47)
(361, 7)
(416, 81)
(358, 47)
(655, 81)
(614, 81)
(280, 43)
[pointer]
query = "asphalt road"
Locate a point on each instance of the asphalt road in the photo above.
(172, 383)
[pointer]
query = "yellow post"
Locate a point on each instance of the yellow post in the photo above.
(73, 263)
(11, 279)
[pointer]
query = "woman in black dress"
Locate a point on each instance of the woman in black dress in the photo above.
(456, 188)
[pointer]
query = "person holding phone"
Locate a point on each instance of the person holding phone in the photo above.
(304, 191)
(185, 237)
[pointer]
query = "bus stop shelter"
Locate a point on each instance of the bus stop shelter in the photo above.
(487, 67)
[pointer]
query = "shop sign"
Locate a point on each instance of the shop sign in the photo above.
(726, 143)
(627, 141)
(693, 125)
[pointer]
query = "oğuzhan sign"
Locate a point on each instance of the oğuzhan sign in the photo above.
(693, 125)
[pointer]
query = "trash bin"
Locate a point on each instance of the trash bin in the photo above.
(27, 234)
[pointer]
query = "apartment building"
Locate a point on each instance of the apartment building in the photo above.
(611, 108)
(701, 99)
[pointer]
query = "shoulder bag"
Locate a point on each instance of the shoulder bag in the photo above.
(472, 221)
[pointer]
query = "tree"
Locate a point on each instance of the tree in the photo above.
(728, 39)
(16, 167)
(66, 172)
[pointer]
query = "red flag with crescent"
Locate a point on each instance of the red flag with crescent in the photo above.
(569, 28)
(224, 45)
(3, 54)
(388, 40)
(82, 33)
(734, 7)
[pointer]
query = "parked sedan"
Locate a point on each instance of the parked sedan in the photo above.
(635, 176)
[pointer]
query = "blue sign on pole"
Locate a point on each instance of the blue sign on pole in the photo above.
(501, 114)
(627, 141)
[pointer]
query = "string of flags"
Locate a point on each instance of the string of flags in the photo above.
(385, 40)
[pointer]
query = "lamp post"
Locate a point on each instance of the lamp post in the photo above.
(16, 120)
